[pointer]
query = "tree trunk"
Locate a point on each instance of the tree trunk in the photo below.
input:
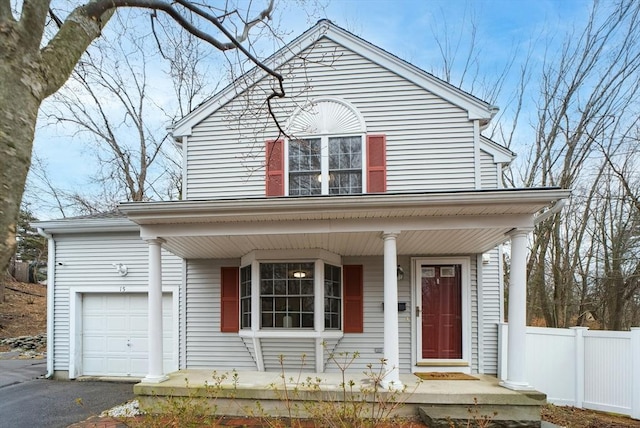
(29, 74)
(19, 104)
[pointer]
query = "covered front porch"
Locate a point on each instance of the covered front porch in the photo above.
(238, 394)
(449, 225)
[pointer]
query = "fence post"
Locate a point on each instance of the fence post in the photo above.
(579, 359)
(635, 372)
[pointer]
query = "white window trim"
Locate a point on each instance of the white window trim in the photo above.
(324, 159)
(319, 257)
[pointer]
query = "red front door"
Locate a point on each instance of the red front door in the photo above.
(441, 311)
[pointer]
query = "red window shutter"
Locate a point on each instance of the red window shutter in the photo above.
(352, 280)
(274, 166)
(376, 163)
(230, 302)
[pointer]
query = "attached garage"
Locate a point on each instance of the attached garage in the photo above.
(114, 334)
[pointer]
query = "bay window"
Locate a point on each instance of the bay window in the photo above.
(291, 295)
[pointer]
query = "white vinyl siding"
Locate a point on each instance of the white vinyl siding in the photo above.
(370, 343)
(489, 171)
(491, 310)
(429, 140)
(473, 277)
(296, 354)
(86, 260)
(206, 346)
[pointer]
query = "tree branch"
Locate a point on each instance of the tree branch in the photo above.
(55, 18)
(623, 180)
(60, 56)
(85, 22)
(32, 20)
(5, 11)
(277, 92)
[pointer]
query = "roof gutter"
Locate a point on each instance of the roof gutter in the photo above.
(51, 269)
(555, 208)
(121, 224)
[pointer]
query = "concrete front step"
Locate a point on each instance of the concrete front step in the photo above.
(480, 415)
(242, 390)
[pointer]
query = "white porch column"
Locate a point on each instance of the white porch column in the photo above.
(517, 337)
(156, 372)
(391, 334)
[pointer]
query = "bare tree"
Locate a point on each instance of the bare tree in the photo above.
(585, 108)
(617, 281)
(34, 67)
(585, 91)
(42, 193)
(615, 293)
(109, 102)
(461, 58)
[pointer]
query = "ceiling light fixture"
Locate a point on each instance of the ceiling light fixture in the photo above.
(299, 274)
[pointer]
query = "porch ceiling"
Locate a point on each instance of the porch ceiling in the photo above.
(346, 244)
(427, 223)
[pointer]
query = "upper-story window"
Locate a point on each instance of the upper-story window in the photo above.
(325, 165)
(329, 153)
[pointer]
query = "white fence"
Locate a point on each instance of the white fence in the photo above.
(597, 370)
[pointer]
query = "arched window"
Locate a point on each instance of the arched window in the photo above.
(326, 154)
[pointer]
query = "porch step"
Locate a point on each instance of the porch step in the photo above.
(480, 415)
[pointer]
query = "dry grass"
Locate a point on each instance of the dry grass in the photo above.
(24, 311)
(571, 417)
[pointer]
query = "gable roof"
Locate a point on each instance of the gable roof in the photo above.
(476, 108)
(500, 153)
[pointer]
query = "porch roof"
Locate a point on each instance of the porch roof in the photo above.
(428, 223)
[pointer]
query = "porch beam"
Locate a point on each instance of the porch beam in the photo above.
(529, 200)
(517, 336)
(235, 228)
(155, 351)
(391, 334)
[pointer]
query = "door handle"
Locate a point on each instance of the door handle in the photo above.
(418, 311)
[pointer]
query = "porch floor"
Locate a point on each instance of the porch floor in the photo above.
(237, 395)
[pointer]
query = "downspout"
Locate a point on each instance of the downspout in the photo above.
(555, 208)
(51, 268)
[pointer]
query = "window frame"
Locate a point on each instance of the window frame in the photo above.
(319, 259)
(245, 316)
(324, 161)
(296, 316)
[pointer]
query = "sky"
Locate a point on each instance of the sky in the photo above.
(504, 31)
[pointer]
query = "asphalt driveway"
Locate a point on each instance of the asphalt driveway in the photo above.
(14, 370)
(27, 400)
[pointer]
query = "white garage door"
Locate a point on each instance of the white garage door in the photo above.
(114, 334)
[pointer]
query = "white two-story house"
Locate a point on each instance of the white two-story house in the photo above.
(372, 223)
